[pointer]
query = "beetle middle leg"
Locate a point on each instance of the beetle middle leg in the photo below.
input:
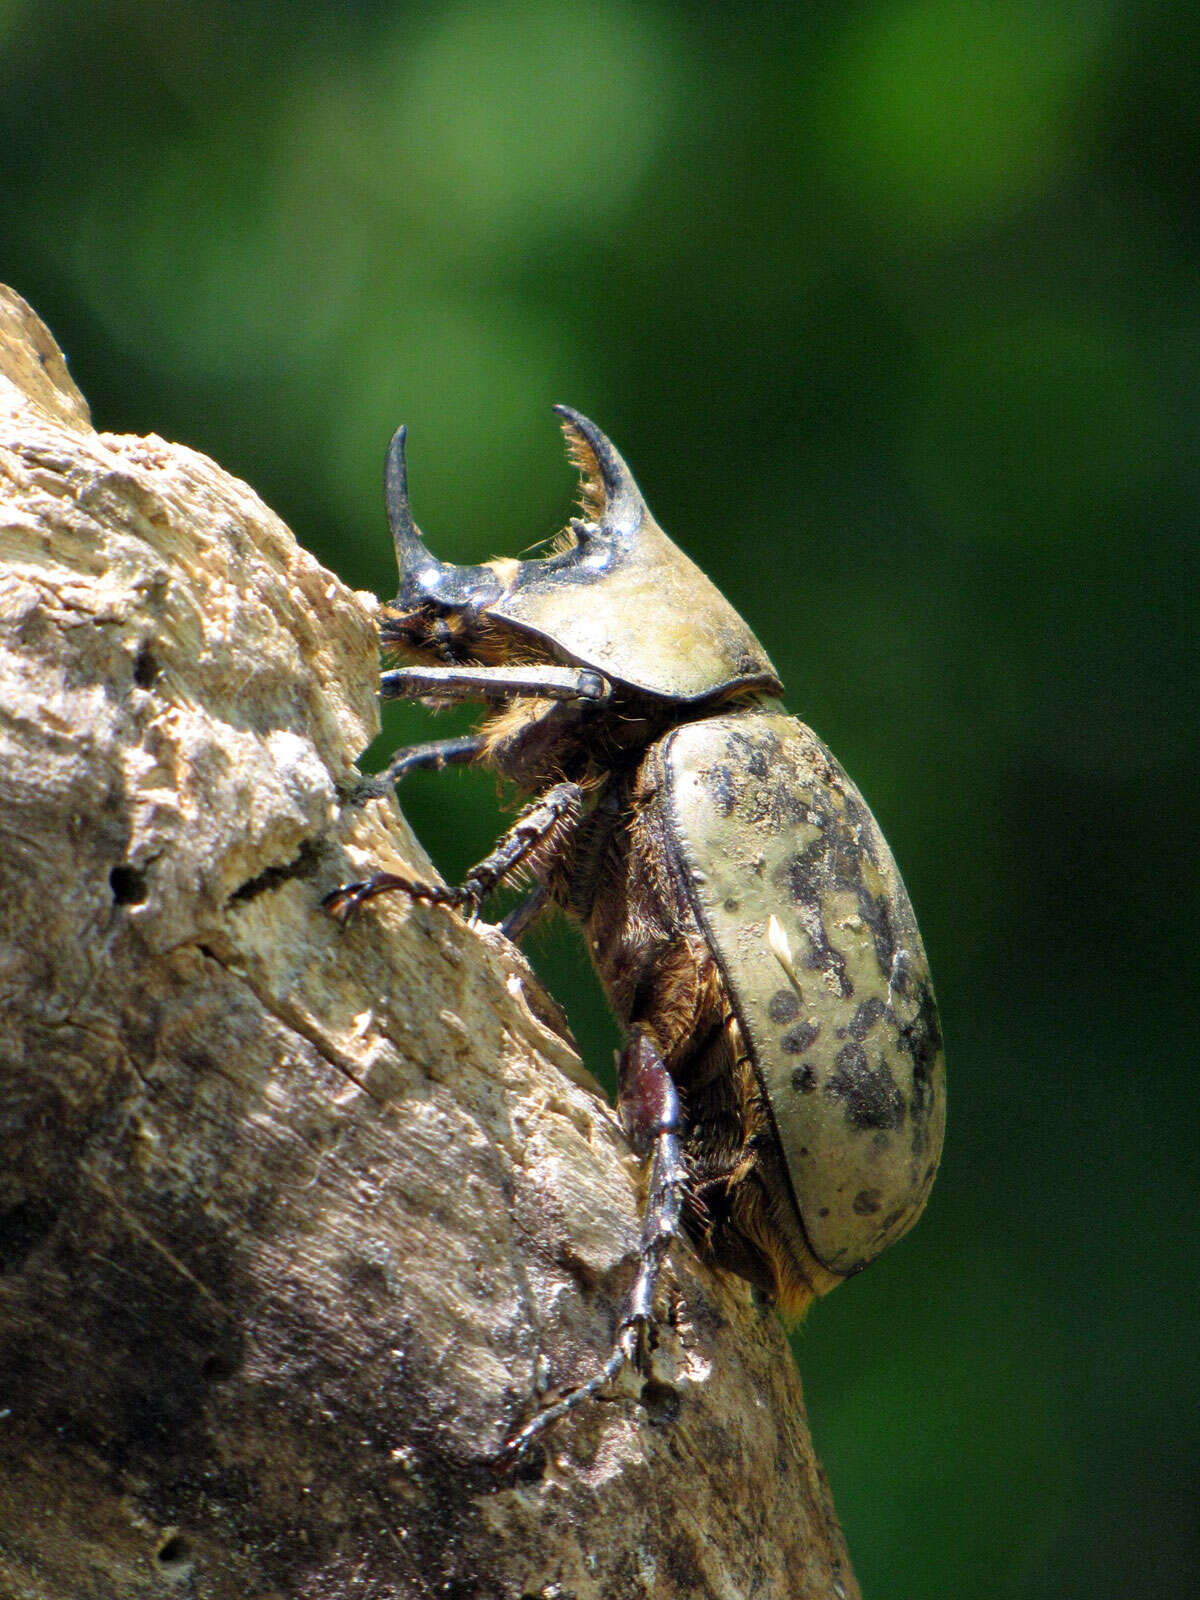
(652, 1115)
(543, 829)
(429, 757)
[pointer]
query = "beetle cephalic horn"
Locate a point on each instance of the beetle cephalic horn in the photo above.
(416, 564)
(422, 576)
(609, 487)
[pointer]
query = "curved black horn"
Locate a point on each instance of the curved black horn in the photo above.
(624, 507)
(395, 490)
(422, 576)
(417, 567)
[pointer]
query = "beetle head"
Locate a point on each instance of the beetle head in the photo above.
(618, 595)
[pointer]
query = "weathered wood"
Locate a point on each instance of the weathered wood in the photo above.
(294, 1219)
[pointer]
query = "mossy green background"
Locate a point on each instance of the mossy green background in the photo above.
(893, 309)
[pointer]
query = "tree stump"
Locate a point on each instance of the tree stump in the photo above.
(297, 1222)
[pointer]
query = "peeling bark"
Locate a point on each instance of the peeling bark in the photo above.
(295, 1220)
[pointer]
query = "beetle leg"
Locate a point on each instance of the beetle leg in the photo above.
(549, 820)
(431, 757)
(522, 917)
(552, 818)
(493, 683)
(652, 1115)
(650, 1110)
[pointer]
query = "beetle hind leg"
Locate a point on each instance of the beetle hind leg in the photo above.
(652, 1115)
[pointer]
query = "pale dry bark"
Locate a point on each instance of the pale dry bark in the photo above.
(293, 1220)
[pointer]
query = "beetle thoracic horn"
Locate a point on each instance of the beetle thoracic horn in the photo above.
(623, 507)
(422, 576)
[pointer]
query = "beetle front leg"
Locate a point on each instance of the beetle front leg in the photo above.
(494, 683)
(545, 826)
(652, 1115)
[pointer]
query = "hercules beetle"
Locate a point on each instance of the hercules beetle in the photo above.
(783, 1065)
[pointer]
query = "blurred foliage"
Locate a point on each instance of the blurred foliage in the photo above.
(893, 308)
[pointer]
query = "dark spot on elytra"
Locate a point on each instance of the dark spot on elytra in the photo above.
(808, 877)
(893, 1217)
(900, 978)
(804, 1080)
(921, 1039)
(731, 904)
(721, 786)
(783, 1006)
(830, 861)
(784, 805)
(756, 780)
(852, 1058)
(834, 861)
(821, 956)
(798, 1039)
(865, 1018)
(876, 912)
(865, 827)
(869, 1094)
(755, 754)
(867, 1202)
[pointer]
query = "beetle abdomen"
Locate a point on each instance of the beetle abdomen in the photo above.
(808, 918)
